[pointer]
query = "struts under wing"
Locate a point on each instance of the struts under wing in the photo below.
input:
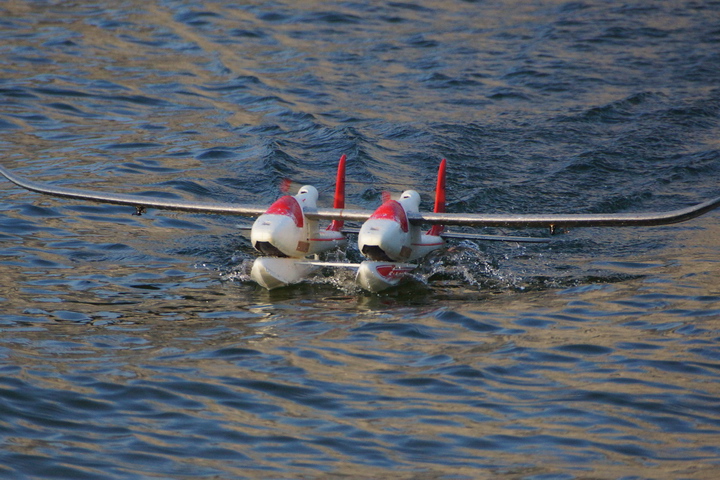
(370, 275)
(477, 236)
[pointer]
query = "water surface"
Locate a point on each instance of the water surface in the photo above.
(136, 347)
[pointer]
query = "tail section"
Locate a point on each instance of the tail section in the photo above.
(339, 201)
(439, 198)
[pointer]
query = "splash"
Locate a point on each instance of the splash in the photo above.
(340, 278)
(240, 272)
(464, 264)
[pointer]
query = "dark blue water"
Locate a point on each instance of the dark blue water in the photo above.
(135, 347)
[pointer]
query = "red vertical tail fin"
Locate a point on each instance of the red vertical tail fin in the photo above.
(339, 201)
(439, 198)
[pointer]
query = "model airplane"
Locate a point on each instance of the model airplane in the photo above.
(288, 236)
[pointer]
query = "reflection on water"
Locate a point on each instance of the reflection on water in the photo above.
(136, 347)
(603, 377)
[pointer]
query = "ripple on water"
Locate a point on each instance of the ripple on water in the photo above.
(137, 347)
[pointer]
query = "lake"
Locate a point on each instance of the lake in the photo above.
(136, 347)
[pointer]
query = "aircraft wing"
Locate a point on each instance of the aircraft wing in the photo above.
(567, 220)
(551, 221)
(137, 201)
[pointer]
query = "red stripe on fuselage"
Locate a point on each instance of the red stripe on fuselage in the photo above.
(392, 210)
(392, 271)
(289, 207)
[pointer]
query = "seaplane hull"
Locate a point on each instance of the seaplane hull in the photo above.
(378, 276)
(277, 272)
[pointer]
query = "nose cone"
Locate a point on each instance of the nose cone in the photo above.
(275, 235)
(383, 240)
(385, 236)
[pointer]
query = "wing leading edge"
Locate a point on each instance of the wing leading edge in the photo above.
(568, 220)
(551, 221)
(137, 201)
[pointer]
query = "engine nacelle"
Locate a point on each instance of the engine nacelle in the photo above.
(387, 236)
(282, 230)
(384, 240)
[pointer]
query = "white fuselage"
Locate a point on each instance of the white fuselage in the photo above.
(286, 237)
(284, 231)
(388, 240)
(388, 236)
